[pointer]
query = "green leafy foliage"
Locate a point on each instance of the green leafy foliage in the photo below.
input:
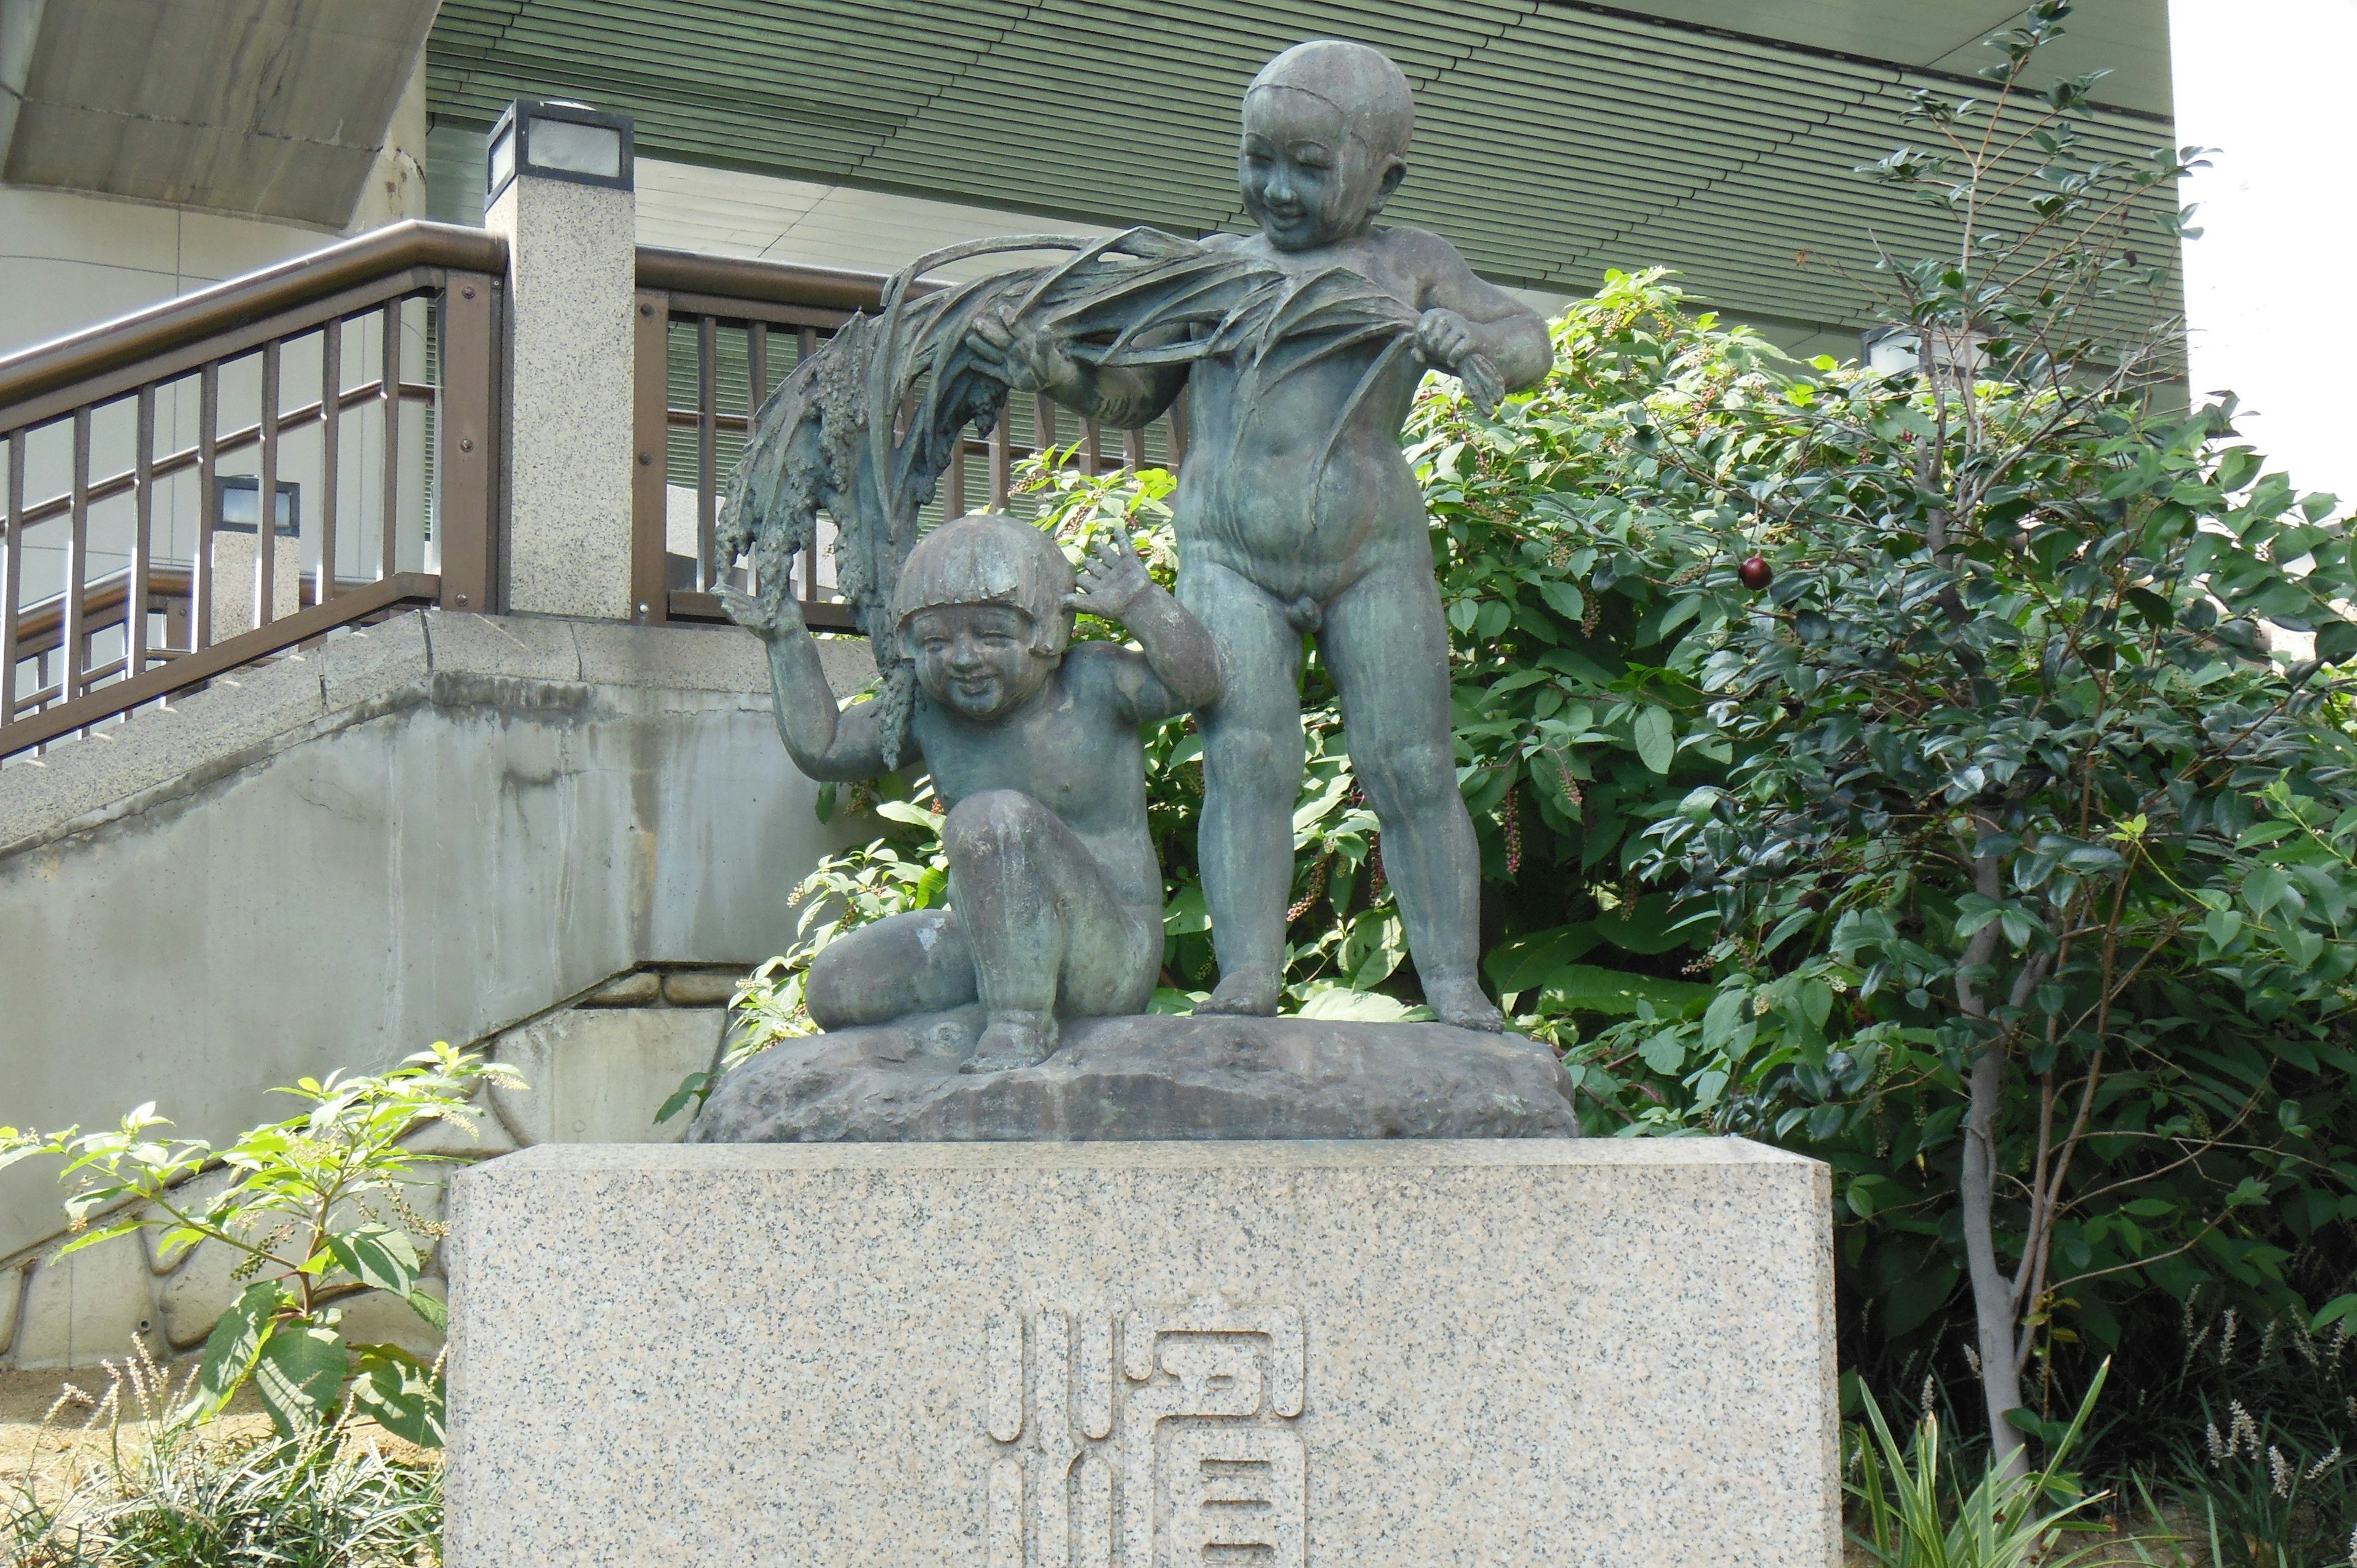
(316, 1207)
(2165, 805)
(2017, 826)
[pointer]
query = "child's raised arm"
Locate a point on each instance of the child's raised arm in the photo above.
(825, 742)
(1181, 670)
(1464, 314)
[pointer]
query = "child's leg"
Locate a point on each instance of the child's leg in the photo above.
(1387, 643)
(1252, 776)
(1042, 923)
(917, 963)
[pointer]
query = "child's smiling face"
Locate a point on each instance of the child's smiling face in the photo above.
(979, 660)
(1306, 179)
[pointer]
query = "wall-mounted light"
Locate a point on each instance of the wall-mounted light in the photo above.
(1892, 350)
(559, 140)
(1888, 350)
(236, 506)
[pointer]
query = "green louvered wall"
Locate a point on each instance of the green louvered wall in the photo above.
(1554, 139)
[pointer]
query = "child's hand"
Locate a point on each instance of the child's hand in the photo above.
(1443, 339)
(1111, 577)
(772, 618)
(1025, 359)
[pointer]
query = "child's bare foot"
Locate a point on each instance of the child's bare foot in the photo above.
(1252, 992)
(1012, 1039)
(1456, 999)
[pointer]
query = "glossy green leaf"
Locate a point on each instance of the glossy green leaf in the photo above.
(1656, 738)
(399, 1392)
(236, 1343)
(298, 1374)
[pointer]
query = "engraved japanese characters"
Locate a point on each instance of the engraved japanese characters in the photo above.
(1183, 1449)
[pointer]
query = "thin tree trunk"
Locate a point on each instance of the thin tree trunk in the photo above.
(1993, 1305)
(1992, 1292)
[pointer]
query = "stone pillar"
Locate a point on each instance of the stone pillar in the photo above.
(2266, 283)
(237, 581)
(567, 209)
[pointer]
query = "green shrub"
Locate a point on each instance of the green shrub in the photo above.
(317, 1207)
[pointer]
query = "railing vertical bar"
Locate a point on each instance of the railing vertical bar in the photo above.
(200, 573)
(955, 506)
(70, 629)
(143, 523)
(466, 453)
(707, 448)
(12, 562)
(265, 524)
(389, 388)
(649, 433)
(998, 463)
(1133, 448)
(331, 399)
(1092, 448)
(1178, 430)
(757, 378)
(1043, 422)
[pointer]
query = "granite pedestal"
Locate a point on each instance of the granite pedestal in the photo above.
(1394, 1354)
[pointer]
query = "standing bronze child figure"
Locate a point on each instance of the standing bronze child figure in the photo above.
(1298, 513)
(1055, 898)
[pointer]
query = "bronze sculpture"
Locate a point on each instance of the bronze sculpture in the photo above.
(1301, 347)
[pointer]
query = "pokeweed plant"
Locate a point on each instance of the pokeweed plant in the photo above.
(317, 1207)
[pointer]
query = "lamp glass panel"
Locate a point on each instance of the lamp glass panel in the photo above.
(502, 154)
(239, 509)
(1893, 352)
(574, 148)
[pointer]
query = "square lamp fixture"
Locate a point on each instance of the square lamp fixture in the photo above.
(236, 506)
(1957, 353)
(559, 140)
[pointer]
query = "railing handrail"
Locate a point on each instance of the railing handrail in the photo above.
(774, 283)
(402, 588)
(175, 324)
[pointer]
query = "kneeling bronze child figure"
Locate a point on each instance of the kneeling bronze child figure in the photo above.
(1055, 897)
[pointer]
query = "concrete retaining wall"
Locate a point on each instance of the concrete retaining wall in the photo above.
(446, 827)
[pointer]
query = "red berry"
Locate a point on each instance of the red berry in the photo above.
(1755, 573)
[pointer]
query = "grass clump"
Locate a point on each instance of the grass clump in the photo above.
(143, 1485)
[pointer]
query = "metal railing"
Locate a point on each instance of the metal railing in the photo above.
(217, 480)
(363, 377)
(714, 336)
